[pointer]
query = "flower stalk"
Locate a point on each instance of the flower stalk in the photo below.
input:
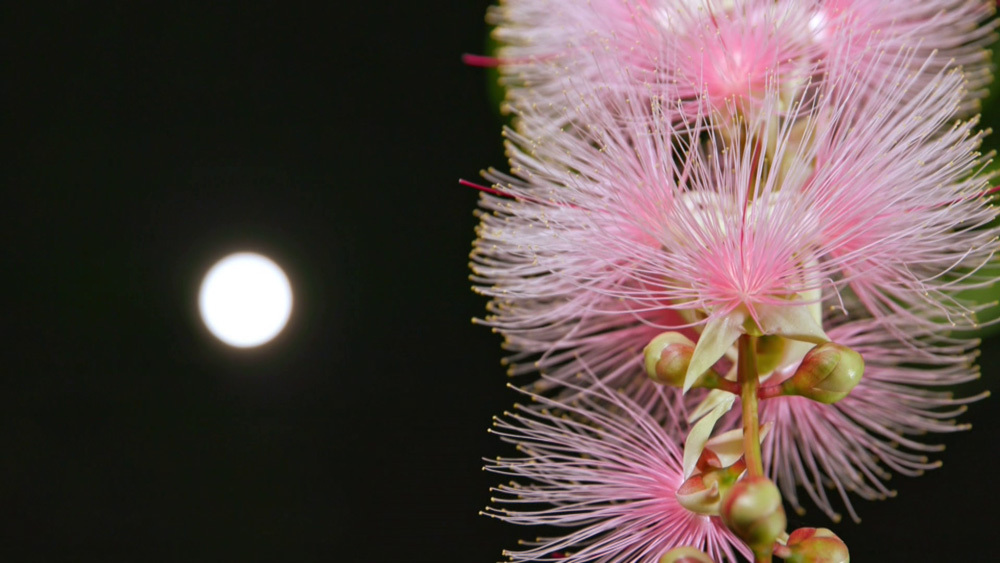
(747, 378)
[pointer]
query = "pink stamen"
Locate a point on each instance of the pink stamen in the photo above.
(486, 189)
(481, 61)
(986, 193)
(507, 195)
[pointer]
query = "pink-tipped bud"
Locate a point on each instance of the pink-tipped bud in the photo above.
(702, 492)
(827, 374)
(685, 555)
(752, 510)
(667, 358)
(815, 545)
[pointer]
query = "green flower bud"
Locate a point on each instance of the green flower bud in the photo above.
(815, 545)
(827, 374)
(667, 358)
(685, 555)
(752, 510)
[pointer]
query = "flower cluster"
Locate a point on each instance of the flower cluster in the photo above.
(717, 203)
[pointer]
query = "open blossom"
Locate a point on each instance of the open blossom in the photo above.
(705, 51)
(701, 54)
(941, 32)
(856, 443)
(608, 470)
(643, 225)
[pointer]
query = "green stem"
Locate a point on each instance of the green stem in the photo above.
(746, 377)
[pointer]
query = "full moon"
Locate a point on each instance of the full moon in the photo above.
(245, 300)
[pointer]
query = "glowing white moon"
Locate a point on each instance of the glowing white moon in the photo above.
(245, 299)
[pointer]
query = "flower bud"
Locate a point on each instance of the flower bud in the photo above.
(827, 373)
(700, 495)
(685, 555)
(815, 545)
(702, 492)
(752, 510)
(667, 358)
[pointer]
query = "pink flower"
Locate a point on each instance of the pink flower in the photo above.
(944, 33)
(705, 54)
(708, 52)
(633, 224)
(854, 444)
(603, 466)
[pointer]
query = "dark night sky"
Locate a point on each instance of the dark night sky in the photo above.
(146, 144)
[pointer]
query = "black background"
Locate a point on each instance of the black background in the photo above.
(146, 143)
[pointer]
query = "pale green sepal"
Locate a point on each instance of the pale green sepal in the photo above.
(700, 433)
(795, 321)
(815, 306)
(728, 446)
(717, 338)
(714, 397)
(795, 350)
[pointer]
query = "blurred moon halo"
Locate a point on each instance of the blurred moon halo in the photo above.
(245, 299)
